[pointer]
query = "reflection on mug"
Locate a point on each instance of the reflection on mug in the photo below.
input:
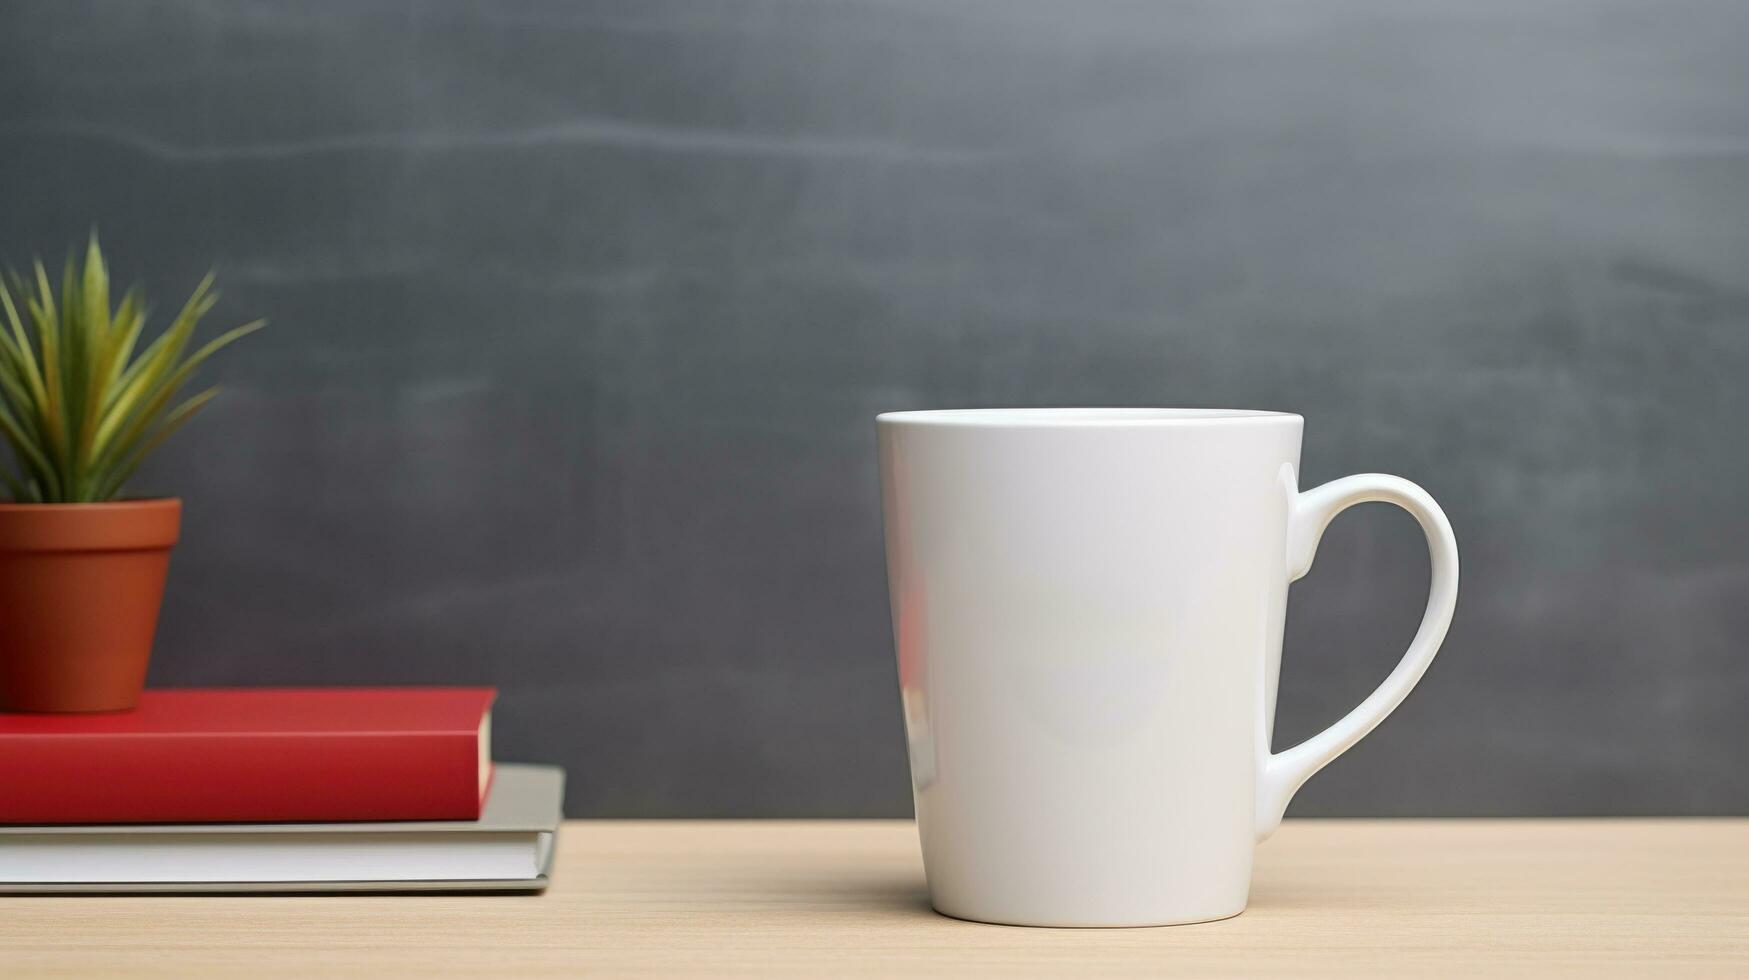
(908, 626)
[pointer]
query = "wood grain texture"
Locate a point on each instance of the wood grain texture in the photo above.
(1593, 898)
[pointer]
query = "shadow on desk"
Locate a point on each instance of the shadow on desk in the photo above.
(906, 895)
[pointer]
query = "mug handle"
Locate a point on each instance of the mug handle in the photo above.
(1283, 773)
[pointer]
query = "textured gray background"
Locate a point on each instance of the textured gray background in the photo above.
(581, 311)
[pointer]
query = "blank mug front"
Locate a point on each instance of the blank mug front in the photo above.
(1087, 607)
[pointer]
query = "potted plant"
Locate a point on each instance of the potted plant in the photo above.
(81, 567)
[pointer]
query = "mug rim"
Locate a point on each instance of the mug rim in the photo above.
(1055, 417)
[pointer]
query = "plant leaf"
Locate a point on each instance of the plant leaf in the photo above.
(199, 302)
(130, 319)
(13, 487)
(176, 418)
(142, 377)
(27, 452)
(49, 344)
(12, 392)
(165, 389)
(32, 376)
(101, 364)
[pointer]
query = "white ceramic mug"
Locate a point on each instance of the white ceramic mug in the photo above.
(1088, 607)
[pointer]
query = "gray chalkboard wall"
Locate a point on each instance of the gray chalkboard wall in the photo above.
(581, 311)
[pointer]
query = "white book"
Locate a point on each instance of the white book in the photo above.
(509, 848)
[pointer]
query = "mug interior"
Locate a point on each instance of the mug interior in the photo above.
(1080, 416)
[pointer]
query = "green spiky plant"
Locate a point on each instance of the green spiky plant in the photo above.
(78, 407)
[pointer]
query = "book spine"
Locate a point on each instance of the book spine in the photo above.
(239, 778)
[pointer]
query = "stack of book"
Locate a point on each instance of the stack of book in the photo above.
(275, 789)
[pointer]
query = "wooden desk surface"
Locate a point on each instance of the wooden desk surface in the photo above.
(1591, 898)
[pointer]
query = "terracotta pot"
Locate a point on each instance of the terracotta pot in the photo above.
(80, 586)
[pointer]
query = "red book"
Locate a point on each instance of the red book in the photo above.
(235, 755)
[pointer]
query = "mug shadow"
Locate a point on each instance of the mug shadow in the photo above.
(906, 895)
